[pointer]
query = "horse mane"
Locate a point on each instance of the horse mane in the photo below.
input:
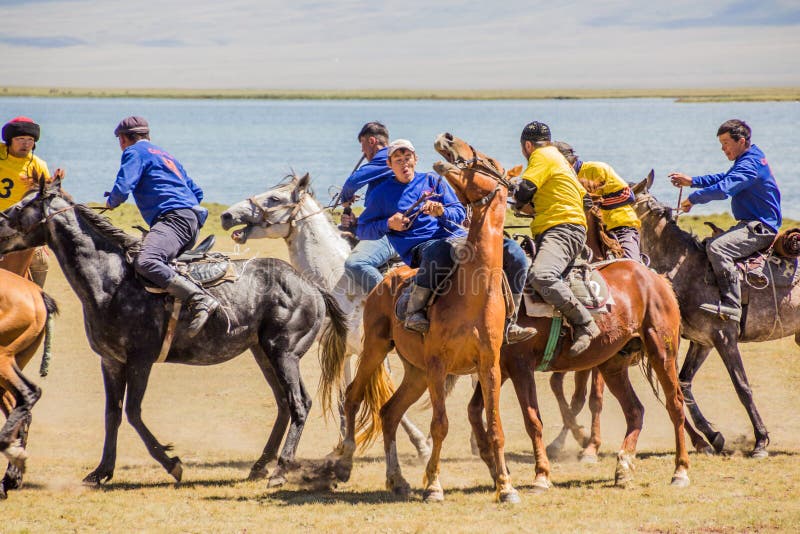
(105, 228)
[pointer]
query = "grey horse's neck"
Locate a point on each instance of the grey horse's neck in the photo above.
(93, 266)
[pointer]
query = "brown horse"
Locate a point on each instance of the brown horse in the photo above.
(644, 307)
(24, 311)
(466, 332)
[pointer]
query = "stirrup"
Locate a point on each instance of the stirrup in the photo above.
(517, 334)
(202, 308)
(726, 313)
(417, 322)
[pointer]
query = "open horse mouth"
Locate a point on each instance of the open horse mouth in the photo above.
(240, 235)
(444, 146)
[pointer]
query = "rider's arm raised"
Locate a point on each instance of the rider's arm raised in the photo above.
(130, 172)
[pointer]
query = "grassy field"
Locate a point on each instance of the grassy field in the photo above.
(218, 419)
(718, 94)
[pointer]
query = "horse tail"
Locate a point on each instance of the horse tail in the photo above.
(332, 350)
(52, 310)
(378, 391)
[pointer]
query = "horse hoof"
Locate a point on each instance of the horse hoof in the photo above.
(258, 473)
(553, 451)
(342, 471)
(718, 442)
(509, 497)
(680, 480)
(541, 485)
(276, 481)
(588, 459)
(11, 482)
(97, 478)
(177, 469)
(759, 453)
(431, 496)
(399, 488)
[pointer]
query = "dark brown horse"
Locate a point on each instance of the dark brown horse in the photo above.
(466, 332)
(645, 307)
(24, 311)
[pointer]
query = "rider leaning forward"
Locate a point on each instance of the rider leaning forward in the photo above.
(756, 205)
(550, 186)
(169, 202)
(427, 238)
(20, 170)
(616, 199)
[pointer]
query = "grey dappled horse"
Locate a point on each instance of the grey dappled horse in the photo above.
(772, 313)
(270, 310)
(290, 212)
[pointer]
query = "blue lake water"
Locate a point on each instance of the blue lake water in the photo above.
(235, 148)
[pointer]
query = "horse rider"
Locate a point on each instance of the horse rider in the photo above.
(169, 202)
(20, 169)
(756, 205)
(426, 238)
(550, 188)
(616, 199)
(363, 264)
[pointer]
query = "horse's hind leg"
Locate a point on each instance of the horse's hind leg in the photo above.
(270, 452)
(436, 377)
(592, 446)
(615, 373)
(25, 394)
(695, 357)
(557, 387)
(410, 390)
(136, 379)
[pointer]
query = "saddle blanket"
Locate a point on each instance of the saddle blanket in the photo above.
(586, 283)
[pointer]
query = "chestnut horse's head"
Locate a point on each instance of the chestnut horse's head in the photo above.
(476, 178)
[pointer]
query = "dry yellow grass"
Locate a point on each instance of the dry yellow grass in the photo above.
(218, 419)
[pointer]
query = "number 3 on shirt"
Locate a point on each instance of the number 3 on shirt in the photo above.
(6, 185)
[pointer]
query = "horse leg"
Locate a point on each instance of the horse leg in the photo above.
(25, 394)
(270, 452)
(589, 453)
(287, 369)
(114, 384)
(663, 354)
(136, 379)
(411, 389)
(521, 374)
(557, 387)
(474, 447)
(491, 380)
(615, 373)
(727, 345)
(418, 439)
(479, 435)
(695, 357)
(348, 378)
(436, 376)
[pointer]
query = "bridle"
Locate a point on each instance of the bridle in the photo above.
(478, 164)
(45, 218)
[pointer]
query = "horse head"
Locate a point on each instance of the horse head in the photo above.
(475, 177)
(271, 214)
(24, 225)
(646, 204)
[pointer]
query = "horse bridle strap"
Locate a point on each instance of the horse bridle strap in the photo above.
(486, 199)
(478, 164)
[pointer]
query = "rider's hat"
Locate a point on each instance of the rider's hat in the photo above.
(132, 125)
(535, 131)
(19, 126)
(397, 144)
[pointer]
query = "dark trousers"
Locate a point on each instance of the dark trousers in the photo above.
(435, 259)
(172, 233)
(628, 239)
(556, 250)
(737, 242)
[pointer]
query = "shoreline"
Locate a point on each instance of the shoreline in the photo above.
(747, 94)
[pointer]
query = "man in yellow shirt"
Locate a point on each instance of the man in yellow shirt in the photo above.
(550, 186)
(616, 204)
(20, 170)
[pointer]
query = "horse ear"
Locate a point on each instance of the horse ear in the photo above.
(645, 185)
(516, 171)
(304, 181)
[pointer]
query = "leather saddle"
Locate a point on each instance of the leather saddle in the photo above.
(587, 284)
(201, 266)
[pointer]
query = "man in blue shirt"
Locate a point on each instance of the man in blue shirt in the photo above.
(364, 262)
(425, 236)
(756, 205)
(169, 202)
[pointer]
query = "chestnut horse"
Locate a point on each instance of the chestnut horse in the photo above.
(24, 311)
(466, 332)
(645, 307)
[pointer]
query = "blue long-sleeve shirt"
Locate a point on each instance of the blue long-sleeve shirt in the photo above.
(159, 183)
(370, 174)
(392, 196)
(750, 184)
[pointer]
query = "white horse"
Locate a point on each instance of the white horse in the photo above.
(290, 212)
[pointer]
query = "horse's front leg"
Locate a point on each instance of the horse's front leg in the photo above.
(114, 383)
(136, 377)
(479, 435)
(491, 380)
(695, 357)
(270, 452)
(436, 377)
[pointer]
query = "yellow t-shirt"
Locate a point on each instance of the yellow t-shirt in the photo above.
(600, 179)
(17, 176)
(559, 195)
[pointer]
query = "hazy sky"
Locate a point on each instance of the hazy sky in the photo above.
(438, 44)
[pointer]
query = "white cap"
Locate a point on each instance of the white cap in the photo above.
(397, 144)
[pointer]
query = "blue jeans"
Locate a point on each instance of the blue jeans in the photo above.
(435, 259)
(363, 264)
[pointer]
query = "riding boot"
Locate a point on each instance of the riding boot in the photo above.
(515, 333)
(729, 306)
(201, 303)
(39, 267)
(585, 329)
(416, 319)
